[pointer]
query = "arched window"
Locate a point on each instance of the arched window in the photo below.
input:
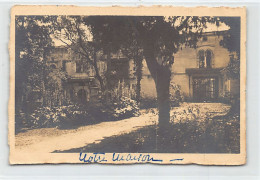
(201, 59)
(208, 58)
(205, 58)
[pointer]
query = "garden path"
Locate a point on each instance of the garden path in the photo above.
(50, 139)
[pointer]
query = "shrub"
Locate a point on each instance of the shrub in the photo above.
(113, 105)
(71, 116)
(121, 108)
(61, 116)
(118, 102)
(125, 108)
(176, 96)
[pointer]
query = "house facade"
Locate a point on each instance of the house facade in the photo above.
(199, 73)
(80, 84)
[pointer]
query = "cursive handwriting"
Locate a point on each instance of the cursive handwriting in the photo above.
(132, 157)
(117, 157)
(95, 158)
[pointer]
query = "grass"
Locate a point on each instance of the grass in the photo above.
(219, 134)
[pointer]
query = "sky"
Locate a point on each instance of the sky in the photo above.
(213, 27)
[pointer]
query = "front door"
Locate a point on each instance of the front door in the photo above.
(205, 89)
(82, 96)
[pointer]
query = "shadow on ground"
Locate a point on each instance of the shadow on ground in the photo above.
(219, 134)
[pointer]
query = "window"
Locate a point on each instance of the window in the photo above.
(208, 58)
(205, 59)
(81, 67)
(201, 59)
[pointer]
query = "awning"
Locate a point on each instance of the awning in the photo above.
(204, 71)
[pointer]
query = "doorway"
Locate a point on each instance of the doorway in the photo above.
(82, 96)
(205, 89)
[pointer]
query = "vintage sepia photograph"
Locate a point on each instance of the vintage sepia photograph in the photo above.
(110, 86)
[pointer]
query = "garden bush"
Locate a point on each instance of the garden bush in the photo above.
(125, 108)
(117, 109)
(61, 116)
(176, 96)
(71, 116)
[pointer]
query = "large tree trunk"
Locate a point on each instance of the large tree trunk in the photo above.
(163, 97)
(162, 76)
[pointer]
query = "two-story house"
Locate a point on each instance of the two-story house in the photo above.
(81, 84)
(198, 72)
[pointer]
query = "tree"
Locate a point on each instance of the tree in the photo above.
(71, 31)
(231, 41)
(32, 43)
(156, 38)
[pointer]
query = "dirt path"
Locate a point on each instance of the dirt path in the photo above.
(51, 139)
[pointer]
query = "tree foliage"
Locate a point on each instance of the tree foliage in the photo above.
(32, 43)
(71, 31)
(34, 77)
(231, 41)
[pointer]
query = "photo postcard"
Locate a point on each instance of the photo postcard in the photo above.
(124, 85)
